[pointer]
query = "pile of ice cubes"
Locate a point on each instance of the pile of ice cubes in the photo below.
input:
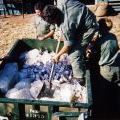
(28, 82)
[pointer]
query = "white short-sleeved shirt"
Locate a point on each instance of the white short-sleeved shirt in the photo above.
(42, 26)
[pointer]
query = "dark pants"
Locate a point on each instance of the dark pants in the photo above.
(106, 96)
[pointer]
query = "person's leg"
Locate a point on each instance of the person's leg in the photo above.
(78, 65)
(106, 72)
(110, 73)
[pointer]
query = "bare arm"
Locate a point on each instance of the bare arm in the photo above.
(50, 34)
(46, 35)
(65, 49)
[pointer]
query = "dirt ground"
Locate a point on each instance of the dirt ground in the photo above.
(13, 28)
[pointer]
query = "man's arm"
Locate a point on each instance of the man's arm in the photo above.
(65, 49)
(48, 35)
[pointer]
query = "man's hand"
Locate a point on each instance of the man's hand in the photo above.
(41, 38)
(56, 58)
(90, 50)
(88, 53)
(58, 36)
